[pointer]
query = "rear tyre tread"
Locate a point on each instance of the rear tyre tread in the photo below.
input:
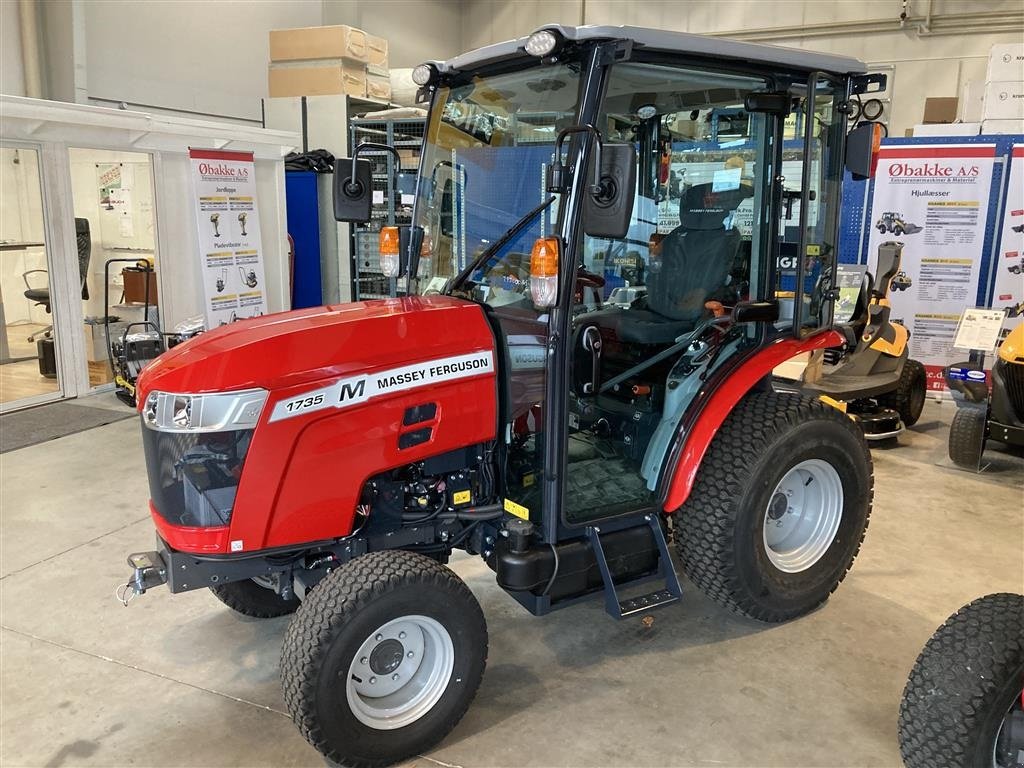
(964, 680)
(328, 608)
(910, 393)
(707, 522)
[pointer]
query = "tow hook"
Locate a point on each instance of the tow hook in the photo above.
(148, 571)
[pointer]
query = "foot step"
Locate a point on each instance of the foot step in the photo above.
(646, 602)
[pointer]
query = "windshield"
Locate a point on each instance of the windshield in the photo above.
(483, 169)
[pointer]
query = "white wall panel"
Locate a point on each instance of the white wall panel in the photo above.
(196, 56)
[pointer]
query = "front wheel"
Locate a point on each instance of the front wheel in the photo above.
(779, 507)
(383, 658)
(962, 703)
(967, 436)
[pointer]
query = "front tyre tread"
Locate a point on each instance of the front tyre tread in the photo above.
(962, 684)
(359, 587)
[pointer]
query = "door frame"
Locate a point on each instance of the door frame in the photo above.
(62, 274)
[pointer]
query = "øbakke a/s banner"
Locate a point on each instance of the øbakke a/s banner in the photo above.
(935, 200)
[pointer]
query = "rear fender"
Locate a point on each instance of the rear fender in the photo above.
(715, 402)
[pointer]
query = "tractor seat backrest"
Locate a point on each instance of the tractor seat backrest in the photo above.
(697, 257)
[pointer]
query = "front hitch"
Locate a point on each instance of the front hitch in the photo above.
(149, 570)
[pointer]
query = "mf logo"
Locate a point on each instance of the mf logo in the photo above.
(350, 391)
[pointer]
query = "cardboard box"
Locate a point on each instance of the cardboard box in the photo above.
(135, 286)
(378, 87)
(1005, 62)
(320, 79)
(305, 43)
(1004, 100)
(948, 129)
(377, 51)
(940, 109)
(1002, 127)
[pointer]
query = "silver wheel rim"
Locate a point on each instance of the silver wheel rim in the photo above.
(803, 515)
(399, 672)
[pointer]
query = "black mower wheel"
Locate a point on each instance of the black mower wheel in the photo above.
(779, 507)
(250, 598)
(963, 686)
(383, 658)
(910, 393)
(967, 437)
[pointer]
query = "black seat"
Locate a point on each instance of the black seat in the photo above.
(697, 258)
(41, 296)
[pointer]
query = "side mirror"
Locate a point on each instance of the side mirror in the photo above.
(353, 183)
(608, 204)
(768, 102)
(353, 196)
(862, 145)
(755, 312)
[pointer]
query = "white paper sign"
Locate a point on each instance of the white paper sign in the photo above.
(933, 199)
(979, 329)
(227, 217)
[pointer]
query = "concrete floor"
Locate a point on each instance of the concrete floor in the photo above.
(181, 680)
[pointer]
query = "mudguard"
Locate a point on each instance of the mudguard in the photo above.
(714, 404)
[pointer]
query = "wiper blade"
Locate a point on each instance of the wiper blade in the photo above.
(510, 234)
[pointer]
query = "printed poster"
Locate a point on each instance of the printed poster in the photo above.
(934, 199)
(1009, 285)
(230, 249)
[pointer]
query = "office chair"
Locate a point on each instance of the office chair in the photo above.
(41, 296)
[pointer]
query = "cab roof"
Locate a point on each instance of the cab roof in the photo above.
(671, 42)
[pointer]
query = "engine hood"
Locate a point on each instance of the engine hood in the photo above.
(309, 345)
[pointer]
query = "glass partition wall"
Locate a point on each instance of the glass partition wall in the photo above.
(29, 363)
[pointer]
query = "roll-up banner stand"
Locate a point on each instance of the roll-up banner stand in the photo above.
(1008, 293)
(935, 200)
(228, 222)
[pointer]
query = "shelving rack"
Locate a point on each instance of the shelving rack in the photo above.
(389, 209)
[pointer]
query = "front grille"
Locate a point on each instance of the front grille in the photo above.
(1013, 375)
(193, 476)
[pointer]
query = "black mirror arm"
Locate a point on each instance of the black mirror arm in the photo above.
(374, 146)
(596, 188)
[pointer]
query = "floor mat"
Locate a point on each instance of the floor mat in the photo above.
(599, 487)
(48, 422)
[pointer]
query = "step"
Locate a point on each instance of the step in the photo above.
(646, 602)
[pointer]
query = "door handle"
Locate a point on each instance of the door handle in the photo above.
(592, 343)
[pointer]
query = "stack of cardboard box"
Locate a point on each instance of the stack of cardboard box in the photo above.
(1003, 102)
(322, 61)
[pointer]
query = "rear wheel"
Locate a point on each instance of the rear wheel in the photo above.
(779, 507)
(256, 598)
(910, 393)
(967, 437)
(383, 658)
(962, 703)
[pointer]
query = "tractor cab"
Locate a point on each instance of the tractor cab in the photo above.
(553, 181)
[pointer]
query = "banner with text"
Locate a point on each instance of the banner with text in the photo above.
(227, 216)
(934, 199)
(1009, 287)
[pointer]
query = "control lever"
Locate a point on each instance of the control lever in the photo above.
(592, 343)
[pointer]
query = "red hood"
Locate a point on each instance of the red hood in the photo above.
(307, 345)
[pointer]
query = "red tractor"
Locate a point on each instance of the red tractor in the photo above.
(328, 461)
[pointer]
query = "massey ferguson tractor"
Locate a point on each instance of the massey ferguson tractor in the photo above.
(327, 462)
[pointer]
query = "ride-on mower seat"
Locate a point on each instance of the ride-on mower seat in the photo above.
(696, 260)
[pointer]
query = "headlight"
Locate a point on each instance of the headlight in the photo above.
(542, 43)
(424, 74)
(219, 412)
